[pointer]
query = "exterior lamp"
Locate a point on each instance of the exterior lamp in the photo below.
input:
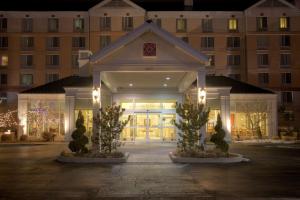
(96, 94)
(201, 95)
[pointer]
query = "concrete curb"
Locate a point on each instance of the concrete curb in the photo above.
(85, 160)
(237, 159)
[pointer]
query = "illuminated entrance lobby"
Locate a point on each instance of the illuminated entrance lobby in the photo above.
(146, 72)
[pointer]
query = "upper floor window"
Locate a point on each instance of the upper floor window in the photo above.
(285, 41)
(78, 25)
(284, 23)
(181, 25)
(104, 41)
(3, 24)
(53, 25)
(26, 79)
(233, 24)
(26, 60)
(235, 76)
(149, 49)
(75, 63)
(3, 60)
(53, 43)
(52, 60)
(286, 97)
(233, 60)
(263, 78)
(262, 42)
(233, 42)
(51, 77)
(286, 78)
(262, 24)
(157, 21)
(207, 42)
(207, 25)
(127, 23)
(3, 42)
(3, 79)
(27, 43)
(78, 42)
(27, 25)
(105, 23)
(285, 60)
(211, 60)
(262, 60)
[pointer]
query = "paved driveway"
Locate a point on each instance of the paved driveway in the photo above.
(30, 172)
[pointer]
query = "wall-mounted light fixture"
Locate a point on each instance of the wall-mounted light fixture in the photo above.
(96, 94)
(201, 96)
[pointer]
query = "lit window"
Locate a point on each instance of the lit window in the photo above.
(181, 25)
(4, 60)
(284, 23)
(149, 49)
(78, 25)
(233, 24)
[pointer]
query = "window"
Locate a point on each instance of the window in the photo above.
(285, 60)
(105, 23)
(75, 58)
(181, 25)
(235, 76)
(127, 23)
(262, 42)
(207, 42)
(53, 43)
(78, 25)
(3, 79)
(157, 21)
(262, 24)
(26, 79)
(233, 24)
(185, 39)
(104, 41)
(52, 60)
(263, 78)
(233, 42)
(52, 77)
(27, 25)
(286, 78)
(207, 25)
(27, 43)
(149, 49)
(4, 60)
(26, 60)
(3, 42)
(212, 60)
(284, 23)
(285, 41)
(3, 24)
(53, 25)
(262, 60)
(78, 42)
(233, 60)
(286, 97)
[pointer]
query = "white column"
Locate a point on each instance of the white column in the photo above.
(272, 119)
(225, 116)
(69, 116)
(22, 115)
(96, 102)
(201, 83)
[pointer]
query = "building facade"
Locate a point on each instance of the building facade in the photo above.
(256, 42)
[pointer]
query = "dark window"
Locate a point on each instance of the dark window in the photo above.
(285, 41)
(53, 25)
(285, 60)
(235, 76)
(233, 60)
(127, 23)
(27, 25)
(157, 21)
(286, 78)
(185, 39)
(104, 41)
(149, 49)
(262, 24)
(26, 79)
(3, 79)
(207, 42)
(207, 25)
(263, 78)
(53, 43)
(26, 60)
(78, 42)
(262, 60)
(287, 97)
(27, 43)
(262, 42)
(233, 42)
(52, 60)
(3, 42)
(3, 24)
(75, 58)
(52, 77)
(105, 23)
(78, 25)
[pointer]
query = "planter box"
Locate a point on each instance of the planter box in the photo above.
(236, 159)
(86, 160)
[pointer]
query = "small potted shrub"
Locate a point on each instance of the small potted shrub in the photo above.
(48, 136)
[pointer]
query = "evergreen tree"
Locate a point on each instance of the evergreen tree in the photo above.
(192, 118)
(218, 137)
(110, 127)
(79, 141)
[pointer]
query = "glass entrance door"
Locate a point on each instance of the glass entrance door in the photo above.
(154, 126)
(148, 126)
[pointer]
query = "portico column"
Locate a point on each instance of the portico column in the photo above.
(22, 115)
(69, 116)
(201, 97)
(96, 95)
(225, 116)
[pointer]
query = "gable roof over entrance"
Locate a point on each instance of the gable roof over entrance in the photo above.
(149, 26)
